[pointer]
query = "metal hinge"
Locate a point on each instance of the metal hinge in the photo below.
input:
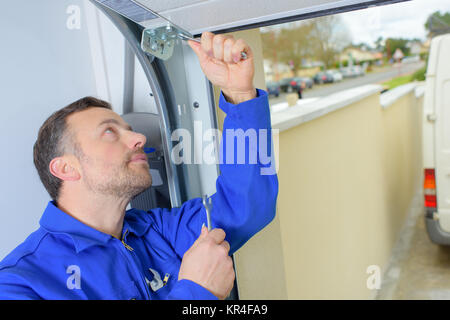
(160, 41)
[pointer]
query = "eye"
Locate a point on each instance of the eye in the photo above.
(109, 130)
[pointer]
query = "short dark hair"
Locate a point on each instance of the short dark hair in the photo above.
(55, 139)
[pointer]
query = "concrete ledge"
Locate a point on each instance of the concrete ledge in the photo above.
(389, 97)
(284, 105)
(293, 116)
(420, 89)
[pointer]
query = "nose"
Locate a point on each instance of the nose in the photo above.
(137, 140)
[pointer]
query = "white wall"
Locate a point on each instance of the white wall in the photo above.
(45, 66)
(48, 60)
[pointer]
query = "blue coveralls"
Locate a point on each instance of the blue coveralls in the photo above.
(66, 259)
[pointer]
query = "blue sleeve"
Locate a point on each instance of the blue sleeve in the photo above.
(246, 189)
(13, 288)
(188, 290)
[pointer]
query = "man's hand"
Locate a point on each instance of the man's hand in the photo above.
(220, 59)
(208, 264)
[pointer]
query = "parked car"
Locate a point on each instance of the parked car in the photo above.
(308, 81)
(273, 88)
(337, 76)
(323, 77)
(300, 82)
(352, 72)
(346, 72)
(358, 70)
(285, 84)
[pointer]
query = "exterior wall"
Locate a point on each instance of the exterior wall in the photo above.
(346, 183)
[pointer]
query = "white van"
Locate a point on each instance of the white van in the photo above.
(436, 142)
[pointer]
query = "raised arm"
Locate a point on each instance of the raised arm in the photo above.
(247, 188)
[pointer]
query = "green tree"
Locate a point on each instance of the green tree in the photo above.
(393, 44)
(317, 39)
(287, 45)
(329, 37)
(379, 46)
(438, 23)
(270, 45)
(295, 45)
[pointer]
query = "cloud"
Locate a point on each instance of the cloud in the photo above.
(400, 20)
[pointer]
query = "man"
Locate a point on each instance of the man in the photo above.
(92, 164)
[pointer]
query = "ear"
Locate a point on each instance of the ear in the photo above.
(62, 168)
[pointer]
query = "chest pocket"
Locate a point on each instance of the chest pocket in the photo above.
(162, 278)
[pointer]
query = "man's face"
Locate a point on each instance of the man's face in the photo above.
(109, 152)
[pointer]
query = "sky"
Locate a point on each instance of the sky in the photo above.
(400, 20)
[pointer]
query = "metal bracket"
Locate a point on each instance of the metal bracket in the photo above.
(160, 41)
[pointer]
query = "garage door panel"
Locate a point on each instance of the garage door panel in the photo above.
(197, 16)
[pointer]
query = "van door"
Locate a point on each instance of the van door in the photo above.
(442, 130)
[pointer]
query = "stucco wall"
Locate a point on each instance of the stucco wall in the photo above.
(346, 183)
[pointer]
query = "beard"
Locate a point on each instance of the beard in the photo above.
(121, 181)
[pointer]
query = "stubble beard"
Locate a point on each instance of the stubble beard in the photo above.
(122, 182)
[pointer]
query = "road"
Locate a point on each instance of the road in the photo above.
(418, 269)
(375, 77)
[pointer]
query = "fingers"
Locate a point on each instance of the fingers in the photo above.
(204, 232)
(197, 48)
(226, 246)
(238, 47)
(217, 235)
(207, 45)
(227, 46)
(219, 45)
(223, 47)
